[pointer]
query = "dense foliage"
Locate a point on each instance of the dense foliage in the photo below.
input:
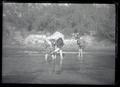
(27, 18)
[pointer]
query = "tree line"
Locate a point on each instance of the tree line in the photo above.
(29, 18)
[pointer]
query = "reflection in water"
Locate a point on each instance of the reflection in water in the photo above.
(26, 69)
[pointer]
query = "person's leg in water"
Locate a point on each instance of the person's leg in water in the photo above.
(79, 53)
(46, 58)
(53, 61)
(61, 58)
(80, 56)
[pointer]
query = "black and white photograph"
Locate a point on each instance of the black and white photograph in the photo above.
(58, 43)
